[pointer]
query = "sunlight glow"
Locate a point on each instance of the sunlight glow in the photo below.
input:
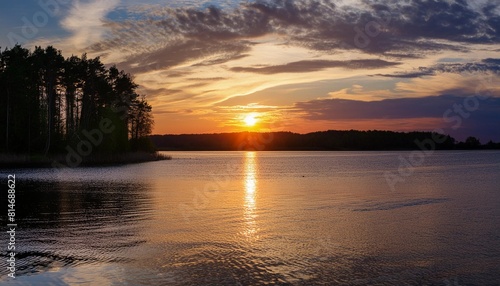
(250, 120)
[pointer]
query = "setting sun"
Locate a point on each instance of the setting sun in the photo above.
(250, 120)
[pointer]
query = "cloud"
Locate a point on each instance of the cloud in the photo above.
(86, 21)
(182, 52)
(199, 39)
(487, 65)
(398, 29)
(382, 27)
(490, 61)
(172, 49)
(459, 84)
(153, 93)
(343, 109)
(482, 122)
(171, 26)
(316, 65)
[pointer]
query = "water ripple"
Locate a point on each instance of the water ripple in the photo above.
(400, 204)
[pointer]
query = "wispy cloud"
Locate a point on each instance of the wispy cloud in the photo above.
(316, 65)
(85, 21)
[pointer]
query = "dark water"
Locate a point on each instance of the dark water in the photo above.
(243, 218)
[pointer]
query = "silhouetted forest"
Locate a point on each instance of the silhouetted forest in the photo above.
(48, 102)
(326, 140)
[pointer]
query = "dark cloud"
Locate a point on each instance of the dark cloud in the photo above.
(382, 27)
(198, 84)
(174, 36)
(437, 19)
(173, 95)
(181, 52)
(482, 122)
(153, 93)
(487, 65)
(222, 59)
(492, 61)
(342, 109)
(210, 79)
(316, 65)
(178, 74)
(396, 29)
(407, 74)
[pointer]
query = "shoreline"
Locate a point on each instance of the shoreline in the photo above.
(318, 150)
(9, 161)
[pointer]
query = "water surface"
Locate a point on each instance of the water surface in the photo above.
(254, 218)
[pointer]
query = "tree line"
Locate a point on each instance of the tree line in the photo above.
(324, 140)
(48, 102)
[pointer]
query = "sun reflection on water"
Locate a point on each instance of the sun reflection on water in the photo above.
(250, 182)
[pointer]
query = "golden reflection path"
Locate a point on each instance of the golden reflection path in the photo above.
(250, 183)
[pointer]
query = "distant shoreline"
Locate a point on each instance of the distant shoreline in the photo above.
(331, 140)
(316, 150)
(11, 161)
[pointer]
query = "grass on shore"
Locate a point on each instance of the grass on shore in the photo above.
(27, 161)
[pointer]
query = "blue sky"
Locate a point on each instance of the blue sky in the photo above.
(300, 66)
(15, 13)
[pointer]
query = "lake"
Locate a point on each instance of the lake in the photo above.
(262, 218)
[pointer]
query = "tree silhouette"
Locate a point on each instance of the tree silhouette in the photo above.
(49, 66)
(47, 101)
(472, 143)
(324, 140)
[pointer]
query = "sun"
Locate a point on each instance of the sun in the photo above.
(250, 120)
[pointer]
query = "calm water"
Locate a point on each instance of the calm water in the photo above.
(244, 218)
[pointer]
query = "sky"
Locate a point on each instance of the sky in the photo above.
(300, 66)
